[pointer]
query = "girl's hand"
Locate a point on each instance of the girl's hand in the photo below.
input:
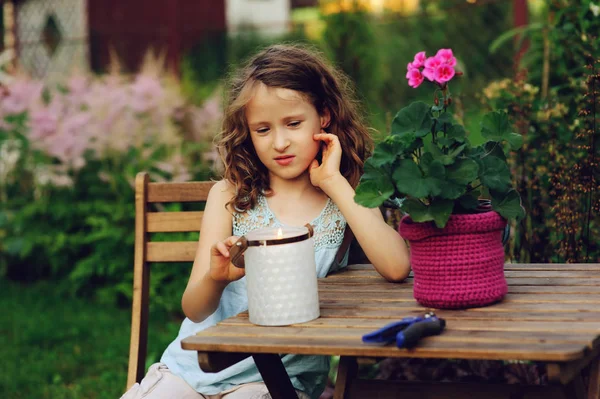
(221, 268)
(331, 158)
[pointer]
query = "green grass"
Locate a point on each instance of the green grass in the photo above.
(57, 348)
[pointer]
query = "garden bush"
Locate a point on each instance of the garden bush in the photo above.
(554, 100)
(69, 156)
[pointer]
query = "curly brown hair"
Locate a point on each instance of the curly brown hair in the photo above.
(306, 71)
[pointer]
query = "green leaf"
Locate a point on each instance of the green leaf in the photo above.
(409, 142)
(409, 179)
(495, 126)
(446, 159)
(515, 140)
(371, 194)
(450, 190)
(385, 153)
(445, 141)
(457, 176)
(523, 31)
(469, 201)
(426, 160)
(494, 173)
(456, 132)
(415, 118)
(463, 171)
(508, 204)
(418, 211)
(492, 148)
(439, 211)
(445, 118)
(371, 171)
(435, 177)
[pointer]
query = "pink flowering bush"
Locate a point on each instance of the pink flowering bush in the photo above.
(69, 153)
(427, 166)
(93, 119)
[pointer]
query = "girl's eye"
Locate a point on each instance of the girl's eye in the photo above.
(262, 130)
(295, 123)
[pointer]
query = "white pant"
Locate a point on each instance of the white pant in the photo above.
(160, 383)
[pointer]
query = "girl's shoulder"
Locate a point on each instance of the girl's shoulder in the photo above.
(224, 185)
(222, 191)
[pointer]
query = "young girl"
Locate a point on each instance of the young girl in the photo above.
(293, 145)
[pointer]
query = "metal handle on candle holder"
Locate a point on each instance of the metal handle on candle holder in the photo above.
(236, 252)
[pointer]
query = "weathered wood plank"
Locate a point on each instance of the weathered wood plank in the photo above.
(407, 296)
(553, 266)
(179, 192)
(358, 287)
(170, 222)
(520, 266)
(449, 335)
(552, 274)
(182, 251)
(515, 316)
(501, 307)
(430, 347)
(352, 278)
(458, 324)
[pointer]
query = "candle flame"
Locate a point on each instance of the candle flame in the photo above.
(279, 234)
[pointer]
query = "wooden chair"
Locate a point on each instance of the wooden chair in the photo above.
(146, 251)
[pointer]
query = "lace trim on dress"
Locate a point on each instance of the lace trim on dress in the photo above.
(329, 226)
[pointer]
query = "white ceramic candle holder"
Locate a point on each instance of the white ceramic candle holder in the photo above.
(281, 275)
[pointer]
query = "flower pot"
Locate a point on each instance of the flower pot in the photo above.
(459, 266)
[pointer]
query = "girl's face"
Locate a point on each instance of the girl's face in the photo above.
(282, 124)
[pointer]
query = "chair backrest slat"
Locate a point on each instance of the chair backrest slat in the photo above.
(182, 251)
(173, 222)
(146, 251)
(179, 192)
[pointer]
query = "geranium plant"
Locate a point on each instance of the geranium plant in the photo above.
(427, 166)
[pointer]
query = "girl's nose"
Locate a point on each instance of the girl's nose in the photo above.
(280, 142)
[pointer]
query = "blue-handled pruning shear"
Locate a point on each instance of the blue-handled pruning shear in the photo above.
(408, 331)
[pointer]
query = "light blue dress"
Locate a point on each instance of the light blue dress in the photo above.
(307, 373)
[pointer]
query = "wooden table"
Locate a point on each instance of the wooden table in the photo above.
(551, 314)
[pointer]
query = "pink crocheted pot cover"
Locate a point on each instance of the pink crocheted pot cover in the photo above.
(459, 266)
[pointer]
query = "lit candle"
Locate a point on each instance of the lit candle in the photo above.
(281, 276)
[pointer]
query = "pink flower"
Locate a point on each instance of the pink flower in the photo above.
(415, 78)
(429, 74)
(409, 68)
(446, 56)
(419, 60)
(443, 73)
(22, 93)
(77, 86)
(146, 93)
(43, 123)
(433, 62)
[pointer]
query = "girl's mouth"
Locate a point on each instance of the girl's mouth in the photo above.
(285, 160)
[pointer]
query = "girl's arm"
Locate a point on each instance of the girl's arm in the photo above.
(383, 246)
(212, 269)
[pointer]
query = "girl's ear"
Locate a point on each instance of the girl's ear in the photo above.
(325, 119)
